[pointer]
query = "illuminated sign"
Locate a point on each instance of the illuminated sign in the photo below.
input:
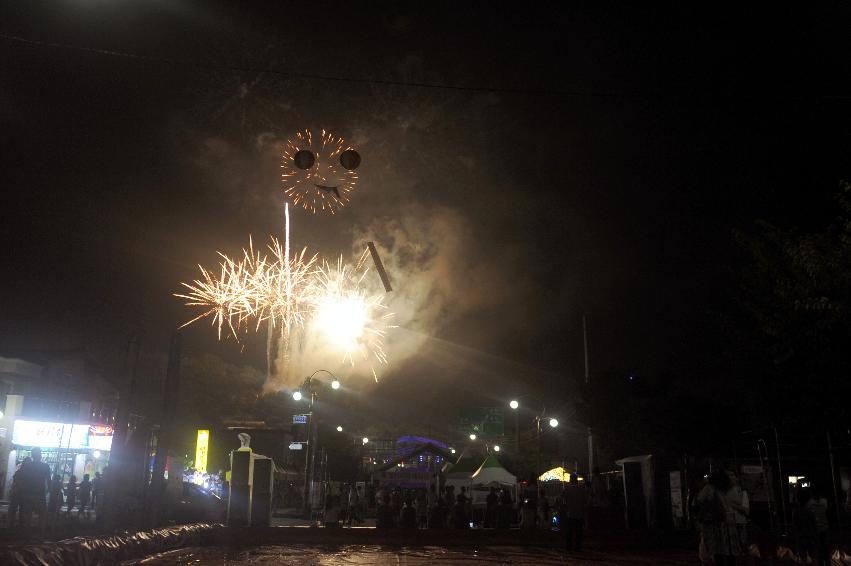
(201, 447)
(62, 435)
(100, 437)
(50, 435)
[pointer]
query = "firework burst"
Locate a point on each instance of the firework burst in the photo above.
(318, 171)
(328, 299)
(258, 287)
(354, 321)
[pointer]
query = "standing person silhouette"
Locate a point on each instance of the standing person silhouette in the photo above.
(70, 495)
(84, 492)
(55, 500)
(36, 481)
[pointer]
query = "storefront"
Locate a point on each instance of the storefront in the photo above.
(68, 448)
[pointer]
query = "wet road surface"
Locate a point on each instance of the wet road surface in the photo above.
(356, 555)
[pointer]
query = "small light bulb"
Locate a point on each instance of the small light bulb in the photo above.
(297, 395)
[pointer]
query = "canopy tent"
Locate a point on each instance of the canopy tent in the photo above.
(460, 473)
(491, 474)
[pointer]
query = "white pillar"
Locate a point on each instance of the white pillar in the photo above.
(10, 471)
(79, 466)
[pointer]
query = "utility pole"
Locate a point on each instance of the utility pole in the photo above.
(308, 469)
(588, 392)
(781, 478)
(516, 435)
(538, 447)
(115, 481)
(157, 487)
(833, 478)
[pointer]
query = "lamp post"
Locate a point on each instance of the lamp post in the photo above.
(310, 459)
(514, 404)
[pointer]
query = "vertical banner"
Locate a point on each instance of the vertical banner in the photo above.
(201, 446)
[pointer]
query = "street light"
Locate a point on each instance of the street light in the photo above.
(339, 428)
(496, 448)
(365, 440)
(553, 423)
(452, 450)
(514, 404)
(310, 455)
(472, 436)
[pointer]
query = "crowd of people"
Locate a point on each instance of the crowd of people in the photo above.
(446, 509)
(722, 508)
(35, 492)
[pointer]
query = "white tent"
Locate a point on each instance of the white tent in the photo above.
(460, 473)
(491, 474)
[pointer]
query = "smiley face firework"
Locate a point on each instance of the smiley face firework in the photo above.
(318, 170)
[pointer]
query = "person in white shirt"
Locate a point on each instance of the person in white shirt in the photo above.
(737, 499)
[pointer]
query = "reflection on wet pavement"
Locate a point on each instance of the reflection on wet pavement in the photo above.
(378, 555)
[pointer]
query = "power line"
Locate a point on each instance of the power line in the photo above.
(383, 82)
(302, 75)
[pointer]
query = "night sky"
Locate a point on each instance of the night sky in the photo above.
(593, 160)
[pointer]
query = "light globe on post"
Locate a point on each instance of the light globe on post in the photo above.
(339, 428)
(496, 448)
(296, 395)
(514, 404)
(335, 384)
(553, 422)
(365, 440)
(472, 436)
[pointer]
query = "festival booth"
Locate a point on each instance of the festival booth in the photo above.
(415, 466)
(460, 474)
(639, 491)
(490, 474)
(553, 481)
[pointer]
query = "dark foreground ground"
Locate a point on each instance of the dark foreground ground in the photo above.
(348, 555)
(304, 545)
